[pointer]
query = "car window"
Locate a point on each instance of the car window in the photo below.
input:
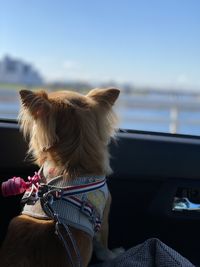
(148, 49)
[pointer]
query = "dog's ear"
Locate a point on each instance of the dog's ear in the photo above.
(36, 102)
(106, 96)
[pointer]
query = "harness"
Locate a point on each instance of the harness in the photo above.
(78, 203)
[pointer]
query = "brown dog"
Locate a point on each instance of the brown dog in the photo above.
(68, 136)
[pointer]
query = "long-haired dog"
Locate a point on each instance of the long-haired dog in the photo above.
(68, 137)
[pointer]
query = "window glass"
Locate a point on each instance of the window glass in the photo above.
(148, 49)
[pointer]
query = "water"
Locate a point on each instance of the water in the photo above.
(150, 112)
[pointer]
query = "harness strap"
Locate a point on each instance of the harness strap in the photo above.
(46, 201)
(79, 189)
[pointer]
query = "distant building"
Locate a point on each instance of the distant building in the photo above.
(18, 72)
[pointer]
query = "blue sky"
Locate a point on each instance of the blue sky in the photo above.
(145, 42)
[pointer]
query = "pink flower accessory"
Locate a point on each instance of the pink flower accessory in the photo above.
(17, 185)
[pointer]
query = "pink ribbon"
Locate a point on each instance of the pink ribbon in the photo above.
(17, 185)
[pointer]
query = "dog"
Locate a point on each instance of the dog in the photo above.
(68, 135)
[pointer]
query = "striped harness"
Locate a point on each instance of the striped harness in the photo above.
(79, 203)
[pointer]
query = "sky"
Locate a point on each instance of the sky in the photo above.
(152, 43)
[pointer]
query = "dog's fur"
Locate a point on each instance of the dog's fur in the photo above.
(72, 132)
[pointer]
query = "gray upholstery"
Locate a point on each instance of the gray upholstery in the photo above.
(151, 253)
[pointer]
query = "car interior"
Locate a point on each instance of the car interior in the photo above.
(155, 187)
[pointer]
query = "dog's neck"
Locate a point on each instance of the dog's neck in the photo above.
(77, 166)
(55, 167)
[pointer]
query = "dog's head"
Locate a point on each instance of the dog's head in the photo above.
(69, 129)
